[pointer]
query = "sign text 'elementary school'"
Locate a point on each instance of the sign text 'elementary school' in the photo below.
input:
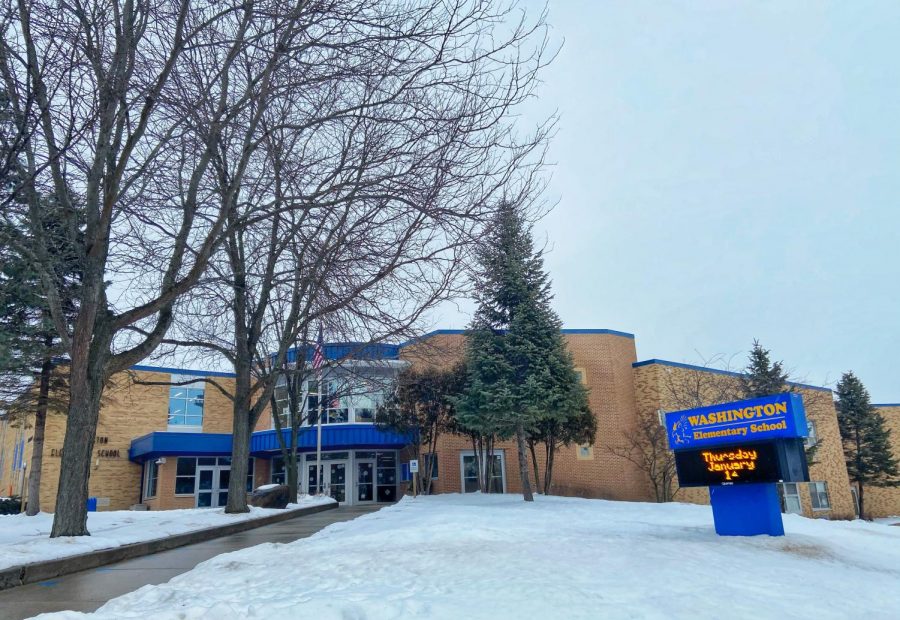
(760, 419)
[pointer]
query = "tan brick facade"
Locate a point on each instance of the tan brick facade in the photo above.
(670, 387)
(885, 501)
(129, 410)
(620, 392)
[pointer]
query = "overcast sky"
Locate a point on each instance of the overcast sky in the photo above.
(728, 171)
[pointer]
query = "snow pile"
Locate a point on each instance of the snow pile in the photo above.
(24, 540)
(495, 557)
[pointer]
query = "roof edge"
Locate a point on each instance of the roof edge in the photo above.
(568, 331)
(718, 371)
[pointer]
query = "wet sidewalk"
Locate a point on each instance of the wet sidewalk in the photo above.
(88, 590)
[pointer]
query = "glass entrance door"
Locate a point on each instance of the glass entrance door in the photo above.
(212, 486)
(334, 479)
(337, 481)
(365, 481)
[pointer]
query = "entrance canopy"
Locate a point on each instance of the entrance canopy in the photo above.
(263, 443)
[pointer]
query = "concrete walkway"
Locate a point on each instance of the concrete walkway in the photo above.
(88, 590)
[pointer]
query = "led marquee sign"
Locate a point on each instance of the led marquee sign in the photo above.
(740, 450)
(736, 464)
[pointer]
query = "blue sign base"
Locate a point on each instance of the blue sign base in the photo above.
(746, 510)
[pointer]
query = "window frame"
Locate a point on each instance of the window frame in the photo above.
(812, 440)
(462, 468)
(193, 386)
(152, 480)
(194, 476)
(432, 458)
(815, 496)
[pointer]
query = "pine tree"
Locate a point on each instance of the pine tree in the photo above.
(519, 371)
(763, 377)
(866, 441)
(27, 341)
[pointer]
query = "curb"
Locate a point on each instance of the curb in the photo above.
(39, 571)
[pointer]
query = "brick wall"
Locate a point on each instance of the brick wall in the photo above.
(605, 361)
(129, 410)
(885, 501)
(660, 386)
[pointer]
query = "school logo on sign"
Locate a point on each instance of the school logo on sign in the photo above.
(772, 417)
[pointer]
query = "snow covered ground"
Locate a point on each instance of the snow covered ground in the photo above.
(495, 557)
(26, 539)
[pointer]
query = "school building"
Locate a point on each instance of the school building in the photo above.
(161, 447)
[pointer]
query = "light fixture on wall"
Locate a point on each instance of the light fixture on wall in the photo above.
(161, 460)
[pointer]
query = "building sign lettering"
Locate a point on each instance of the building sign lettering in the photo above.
(769, 418)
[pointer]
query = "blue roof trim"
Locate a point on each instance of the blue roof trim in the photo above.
(886, 404)
(334, 437)
(454, 332)
(184, 371)
(717, 371)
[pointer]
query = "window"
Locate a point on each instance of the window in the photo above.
(584, 452)
(250, 479)
(185, 476)
(470, 473)
(790, 498)
(813, 438)
(365, 406)
(281, 405)
(430, 460)
(334, 409)
(152, 479)
(279, 472)
(186, 403)
(818, 493)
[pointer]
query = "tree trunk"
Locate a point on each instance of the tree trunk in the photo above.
(859, 489)
(85, 390)
(37, 446)
(240, 442)
(534, 463)
(291, 475)
(523, 465)
(548, 468)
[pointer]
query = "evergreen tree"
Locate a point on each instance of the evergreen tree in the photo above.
(519, 371)
(763, 377)
(866, 441)
(27, 341)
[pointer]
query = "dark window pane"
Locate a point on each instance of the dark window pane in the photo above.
(387, 494)
(204, 500)
(206, 460)
(184, 485)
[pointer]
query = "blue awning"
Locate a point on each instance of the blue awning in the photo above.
(334, 437)
(262, 443)
(156, 444)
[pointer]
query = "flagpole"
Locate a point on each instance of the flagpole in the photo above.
(320, 345)
(319, 440)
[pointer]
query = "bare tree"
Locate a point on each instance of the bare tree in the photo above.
(386, 142)
(122, 108)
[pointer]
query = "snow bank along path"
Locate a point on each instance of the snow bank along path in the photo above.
(24, 540)
(494, 557)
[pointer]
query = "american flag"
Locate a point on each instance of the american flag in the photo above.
(318, 359)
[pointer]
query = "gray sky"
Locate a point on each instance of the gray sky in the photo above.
(728, 171)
